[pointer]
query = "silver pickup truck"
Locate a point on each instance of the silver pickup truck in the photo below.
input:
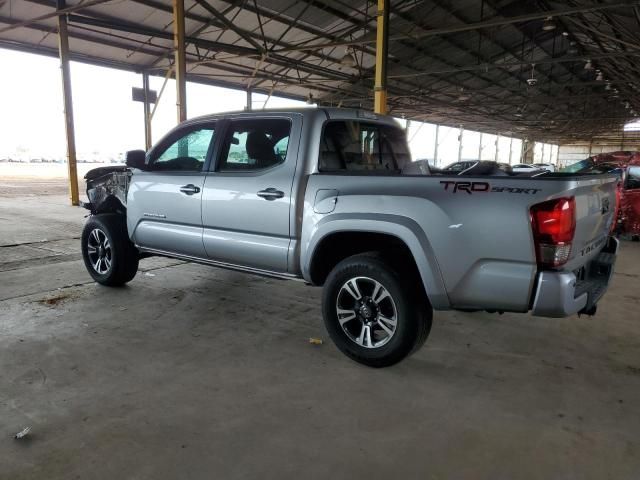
(331, 197)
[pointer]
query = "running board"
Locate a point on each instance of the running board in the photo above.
(224, 265)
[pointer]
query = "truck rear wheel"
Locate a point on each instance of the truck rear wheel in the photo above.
(374, 313)
(109, 256)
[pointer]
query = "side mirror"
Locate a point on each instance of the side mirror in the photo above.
(136, 159)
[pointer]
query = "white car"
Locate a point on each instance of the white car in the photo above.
(546, 166)
(525, 168)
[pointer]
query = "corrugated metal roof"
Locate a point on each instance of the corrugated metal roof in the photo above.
(439, 72)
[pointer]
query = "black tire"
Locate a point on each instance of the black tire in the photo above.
(119, 262)
(412, 308)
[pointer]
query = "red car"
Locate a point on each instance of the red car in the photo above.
(628, 164)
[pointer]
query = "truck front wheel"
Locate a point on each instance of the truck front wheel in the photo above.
(109, 256)
(374, 312)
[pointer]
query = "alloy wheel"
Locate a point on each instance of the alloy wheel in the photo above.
(366, 312)
(99, 251)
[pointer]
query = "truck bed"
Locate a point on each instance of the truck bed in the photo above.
(475, 230)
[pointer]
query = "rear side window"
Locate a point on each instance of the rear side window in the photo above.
(363, 147)
(252, 145)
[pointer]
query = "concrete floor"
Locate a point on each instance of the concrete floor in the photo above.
(195, 372)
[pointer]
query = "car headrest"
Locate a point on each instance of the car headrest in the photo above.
(259, 148)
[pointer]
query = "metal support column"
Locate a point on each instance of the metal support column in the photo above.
(63, 48)
(510, 149)
(460, 135)
(435, 147)
(528, 147)
(180, 60)
(480, 148)
(249, 105)
(382, 45)
(497, 147)
(147, 111)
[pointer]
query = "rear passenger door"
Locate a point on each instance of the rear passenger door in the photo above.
(165, 200)
(246, 204)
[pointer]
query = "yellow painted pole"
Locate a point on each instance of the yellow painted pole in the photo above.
(382, 44)
(147, 111)
(180, 60)
(63, 49)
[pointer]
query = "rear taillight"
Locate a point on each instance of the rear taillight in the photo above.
(554, 225)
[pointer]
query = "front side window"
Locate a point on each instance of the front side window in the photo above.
(252, 145)
(359, 146)
(187, 153)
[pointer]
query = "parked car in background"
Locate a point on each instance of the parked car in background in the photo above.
(627, 165)
(476, 167)
(505, 167)
(458, 167)
(550, 167)
(525, 168)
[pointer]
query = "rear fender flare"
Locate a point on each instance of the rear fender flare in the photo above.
(405, 229)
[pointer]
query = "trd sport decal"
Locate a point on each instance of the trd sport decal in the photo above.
(471, 187)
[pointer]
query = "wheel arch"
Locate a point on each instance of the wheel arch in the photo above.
(340, 236)
(110, 204)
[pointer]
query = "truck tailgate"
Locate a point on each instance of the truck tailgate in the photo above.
(581, 282)
(595, 210)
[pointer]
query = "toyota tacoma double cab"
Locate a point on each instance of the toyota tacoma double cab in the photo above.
(331, 197)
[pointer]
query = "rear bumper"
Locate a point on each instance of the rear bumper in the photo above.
(561, 294)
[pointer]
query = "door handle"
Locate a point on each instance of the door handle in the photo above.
(189, 189)
(270, 193)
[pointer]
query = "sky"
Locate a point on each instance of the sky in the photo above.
(108, 122)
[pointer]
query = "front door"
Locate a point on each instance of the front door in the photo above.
(165, 200)
(247, 197)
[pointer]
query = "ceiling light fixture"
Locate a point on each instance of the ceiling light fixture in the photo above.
(548, 24)
(347, 60)
(588, 65)
(599, 77)
(533, 81)
(463, 96)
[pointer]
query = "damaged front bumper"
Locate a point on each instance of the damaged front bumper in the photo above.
(107, 189)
